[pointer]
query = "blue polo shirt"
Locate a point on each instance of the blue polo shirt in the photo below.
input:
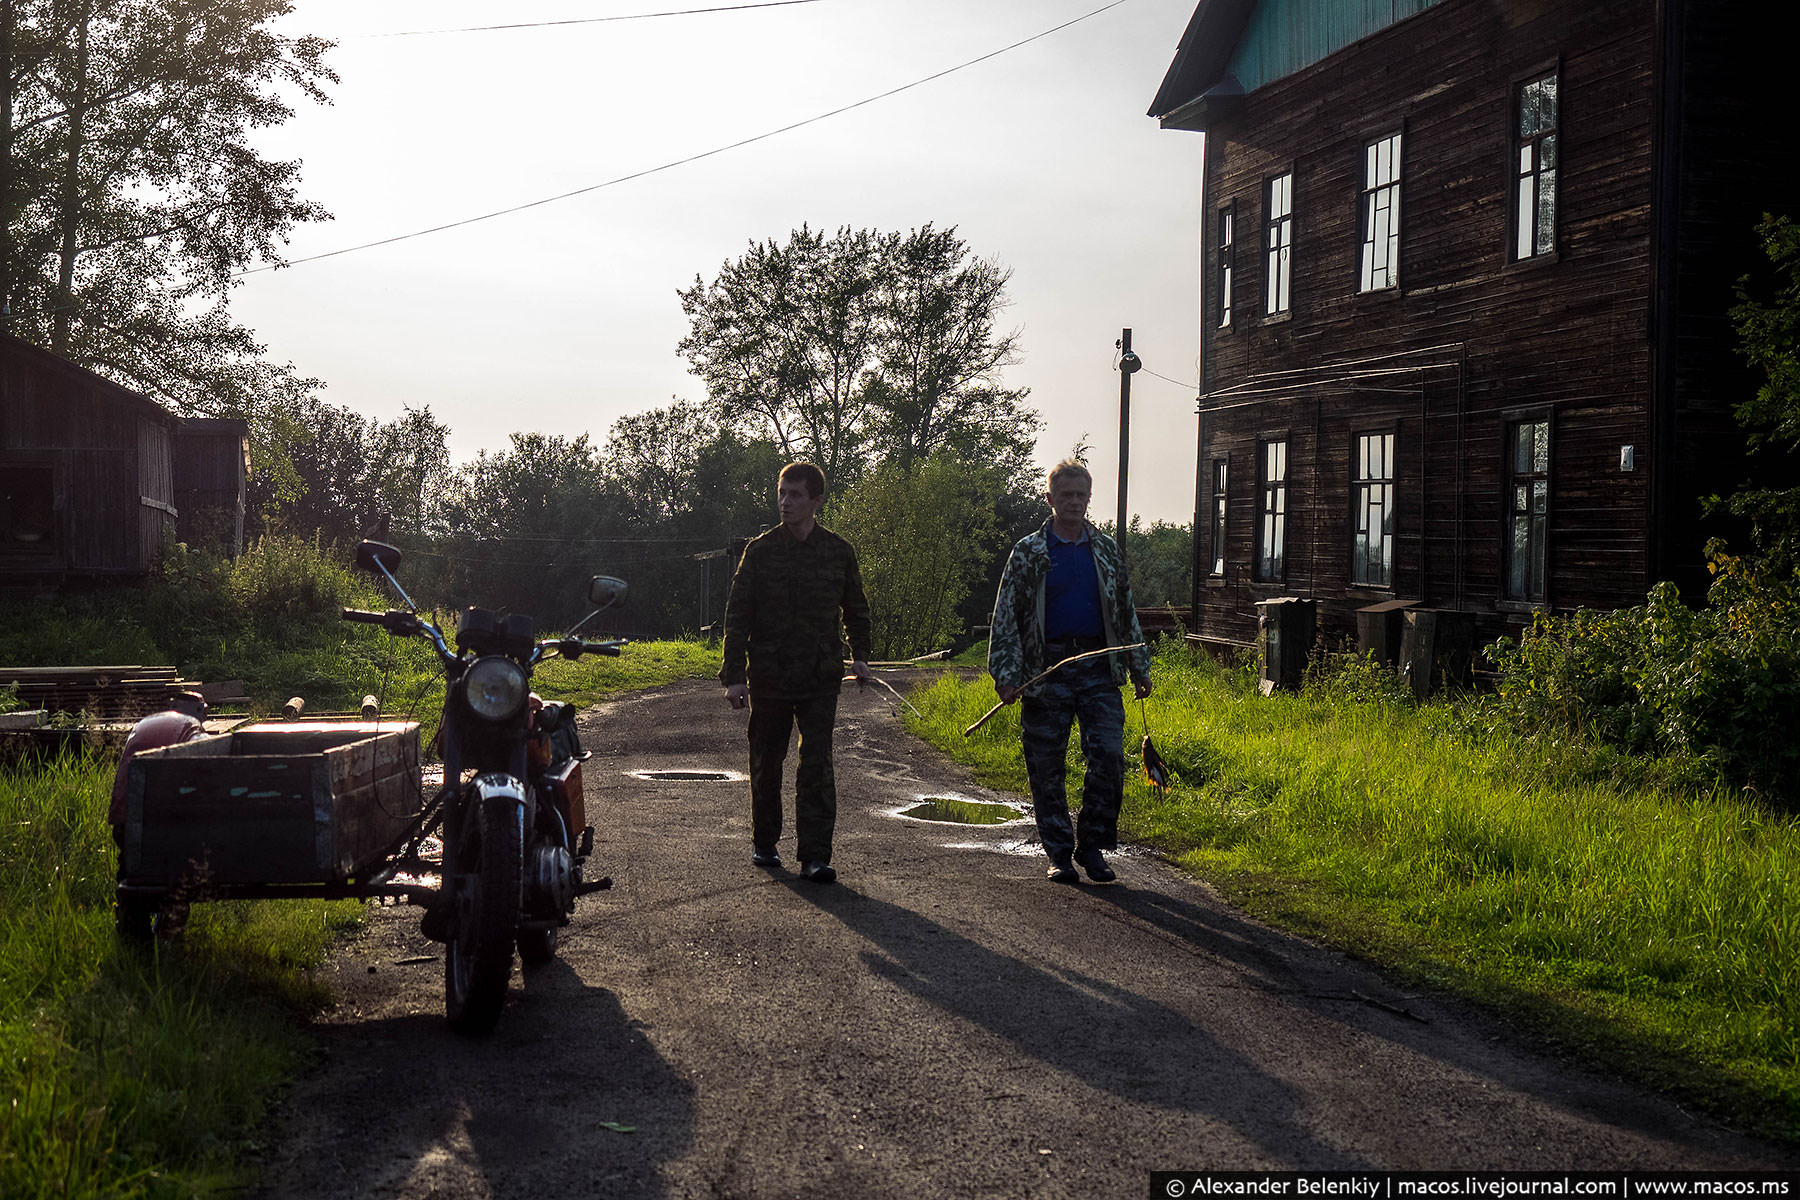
(1072, 590)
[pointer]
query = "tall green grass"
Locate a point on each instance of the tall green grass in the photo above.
(1654, 926)
(129, 1070)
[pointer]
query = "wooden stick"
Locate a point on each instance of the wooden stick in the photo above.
(1047, 670)
(873, 678)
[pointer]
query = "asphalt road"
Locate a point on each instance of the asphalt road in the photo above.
(942, 1022)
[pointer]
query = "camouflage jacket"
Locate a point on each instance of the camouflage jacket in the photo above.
(1016, 645)
(791, 604)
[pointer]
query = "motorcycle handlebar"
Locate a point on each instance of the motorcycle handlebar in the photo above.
(364, 616)
(575, 647)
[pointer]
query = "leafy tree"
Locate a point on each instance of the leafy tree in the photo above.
(939, 356)
(861, 348)
(923, 539)
(1160, 561)
(347, 472)
(652, 458)
(1769, 336)
(133, 194)
(784, 339)
(524, 524)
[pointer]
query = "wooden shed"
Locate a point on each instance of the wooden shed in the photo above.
(87, 482)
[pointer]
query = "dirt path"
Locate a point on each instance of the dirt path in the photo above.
(943, 1022)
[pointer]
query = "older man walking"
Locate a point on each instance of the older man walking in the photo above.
(1064, 593)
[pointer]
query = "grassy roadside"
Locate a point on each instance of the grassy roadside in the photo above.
(1645, 925)
(129, 1071)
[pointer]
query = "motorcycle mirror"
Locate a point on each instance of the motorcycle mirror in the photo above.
(377, 558)
(604, 591)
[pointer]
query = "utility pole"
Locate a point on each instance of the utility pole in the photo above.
(1128, 363)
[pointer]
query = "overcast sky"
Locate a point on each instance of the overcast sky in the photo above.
(564, 317)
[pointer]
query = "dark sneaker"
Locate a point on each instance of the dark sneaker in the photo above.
(1094, 863)
(765, 856)
(1062, 870)
(818, 872)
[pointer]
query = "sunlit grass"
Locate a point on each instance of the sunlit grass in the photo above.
(129, 1070)
(1655, 927)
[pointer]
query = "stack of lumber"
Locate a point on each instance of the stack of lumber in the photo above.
(108, 693)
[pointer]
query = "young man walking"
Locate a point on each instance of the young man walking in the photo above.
(1064, 593)
(796, 594)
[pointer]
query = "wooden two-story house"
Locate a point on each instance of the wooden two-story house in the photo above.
(1466, 273)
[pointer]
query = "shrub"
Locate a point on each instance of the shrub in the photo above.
(1721, 684)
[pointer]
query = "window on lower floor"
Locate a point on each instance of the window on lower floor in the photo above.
(1271, 510)
(1372, 511)
(1528, 509)
(1220, 471)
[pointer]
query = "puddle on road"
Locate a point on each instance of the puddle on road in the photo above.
(953, 810)
(688, 776)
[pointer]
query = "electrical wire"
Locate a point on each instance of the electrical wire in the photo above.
(680, 12)
(680, 162)
(1192, 387)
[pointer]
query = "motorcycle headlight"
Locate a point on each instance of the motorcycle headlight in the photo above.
(495, 688)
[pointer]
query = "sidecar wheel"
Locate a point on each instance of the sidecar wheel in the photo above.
(134, 920)
(537, 946)
(478, 958)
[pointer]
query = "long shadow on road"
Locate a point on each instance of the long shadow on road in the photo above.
(1091, 1029)
(519, 1113)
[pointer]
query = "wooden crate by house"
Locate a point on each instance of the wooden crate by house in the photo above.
(273, 803)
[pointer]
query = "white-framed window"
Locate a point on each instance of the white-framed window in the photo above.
(1380, 207)
(1534, 167)
(1372, 511)
(1528, 508)
(1278, 243)
(1221, 469)
(1227, 232)
(1271, 510)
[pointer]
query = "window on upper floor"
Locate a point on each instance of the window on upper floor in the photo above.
(1534, 167)
(1278, 243)
(1227, 222)
(1380, 205)
(1372, 511)
(1220, 473)
(1271, 510)
(1528, 508)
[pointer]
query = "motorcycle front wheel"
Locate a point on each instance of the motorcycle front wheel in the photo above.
(478, 959)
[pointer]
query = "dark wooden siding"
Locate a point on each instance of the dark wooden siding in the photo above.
(109, 450)
(1476, 337)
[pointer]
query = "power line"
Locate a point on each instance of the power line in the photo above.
(680, 162)
(680, 12)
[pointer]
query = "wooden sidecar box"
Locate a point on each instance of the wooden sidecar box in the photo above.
(275, 802)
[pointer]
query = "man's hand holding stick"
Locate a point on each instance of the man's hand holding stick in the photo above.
(1008, 695)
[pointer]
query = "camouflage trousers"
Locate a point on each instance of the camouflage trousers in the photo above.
(1084, 692)
(772, 723)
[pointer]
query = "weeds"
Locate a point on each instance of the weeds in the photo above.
(1650, 922)
(129, 1070)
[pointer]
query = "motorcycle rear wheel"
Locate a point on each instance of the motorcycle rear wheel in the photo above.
(478, 958)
